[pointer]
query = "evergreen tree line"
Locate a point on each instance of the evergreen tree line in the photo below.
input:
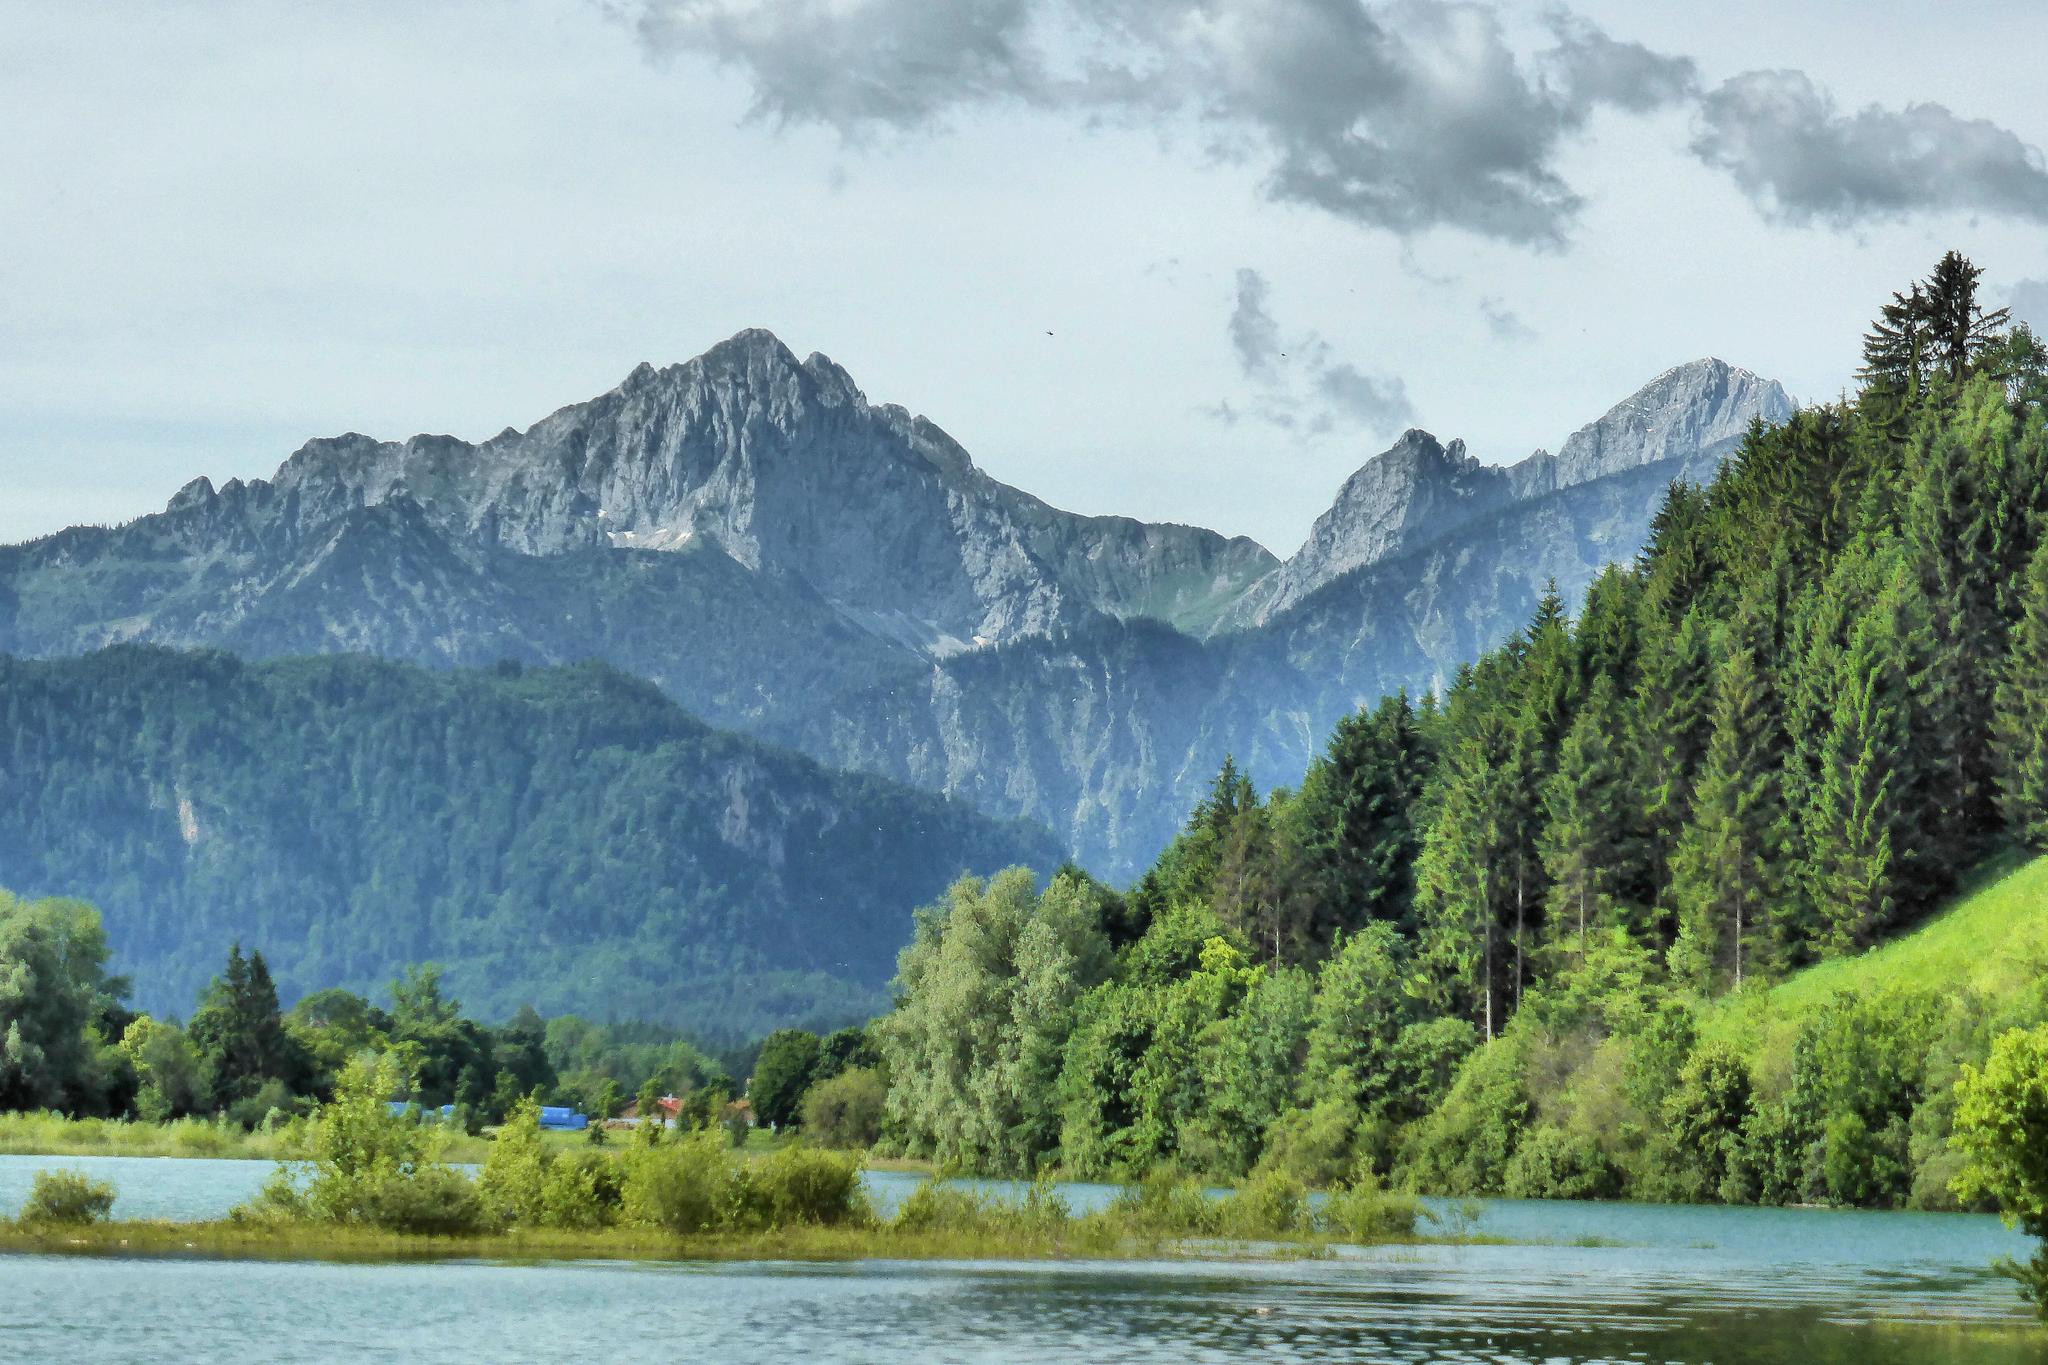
(1782, 734)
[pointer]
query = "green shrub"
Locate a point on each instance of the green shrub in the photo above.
(434, 1201)
(804, 1185)
(67, 1197)
(1367, 1211)
(1551, 1163)
(1314, 1145)
(1706, 1115)
(1267, 1204)
(1165, 1205)
(846, 1110)
(940, 1206)
(1463, 1147)
(371, 1167)
(514, 1179)
(269, 1107)
(581, 1191)
(689, 1185)
(199, 1137)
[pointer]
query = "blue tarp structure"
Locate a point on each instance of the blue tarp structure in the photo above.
(560, 1118)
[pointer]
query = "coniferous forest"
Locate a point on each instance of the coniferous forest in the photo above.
(1501, 940)
(568, 838)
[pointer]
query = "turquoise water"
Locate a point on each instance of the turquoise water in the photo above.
(1683, 1285)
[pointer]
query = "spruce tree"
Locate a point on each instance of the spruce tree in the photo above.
(1957, 329)
(1673, 722)
(1726, 872)
(1895, 349)
(1969, 527)
(1358, 817)
(1464, 873)
(1587, 836)
(1247, 893)
(1850, 854)
(2022, 717)
(240, 1033)
(1679, 563)
(1550, 685)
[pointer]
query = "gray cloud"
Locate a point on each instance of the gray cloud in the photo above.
(1803, 161)
(1410, 115)
(896, 63)
(1374, 402)
(1308, 388)
(1253, 333)
(1406, 115)
(1502, 321)
(1596, 69)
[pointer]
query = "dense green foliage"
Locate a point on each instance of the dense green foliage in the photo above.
(784, 1070)
(2001, 1128)
(1488, 946)
(567, 837)
(67, 1199)
(59, 1011)
(252, 1065)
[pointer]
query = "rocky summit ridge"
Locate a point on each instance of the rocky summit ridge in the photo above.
(787, 558)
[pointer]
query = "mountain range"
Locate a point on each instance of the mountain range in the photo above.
(785, 558)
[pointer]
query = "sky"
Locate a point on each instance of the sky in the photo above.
(1187, 260)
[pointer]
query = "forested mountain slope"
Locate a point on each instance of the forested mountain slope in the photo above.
(568, 838)
(784, 557)
(1528, 936)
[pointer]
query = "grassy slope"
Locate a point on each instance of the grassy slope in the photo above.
(1992, 940)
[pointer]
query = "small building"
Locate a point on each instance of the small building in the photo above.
(668, 1106)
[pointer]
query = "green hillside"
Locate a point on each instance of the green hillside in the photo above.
(1991, 944)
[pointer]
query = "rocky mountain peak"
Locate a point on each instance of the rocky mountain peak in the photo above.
(1416, 489)
(197, 493)
(1700, 408)
(1419, 491)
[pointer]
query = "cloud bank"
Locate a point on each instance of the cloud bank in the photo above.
(1408, 115)
(1304, 386)
(1804, 161)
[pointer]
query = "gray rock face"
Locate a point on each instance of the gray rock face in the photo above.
(785, 467)
(784, 557)
(1419, 492)
(1689, 411)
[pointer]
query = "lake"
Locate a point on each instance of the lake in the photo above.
(1659, 1284)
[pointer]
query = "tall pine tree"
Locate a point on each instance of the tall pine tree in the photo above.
(1588, 838)
(2022, 719)
(1464, 876)
(1358, 816)
(1850, 852)
(1727, 870)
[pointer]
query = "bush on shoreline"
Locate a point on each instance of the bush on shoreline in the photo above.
(67, 1198)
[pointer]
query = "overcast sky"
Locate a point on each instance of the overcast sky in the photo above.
(1264, 235)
